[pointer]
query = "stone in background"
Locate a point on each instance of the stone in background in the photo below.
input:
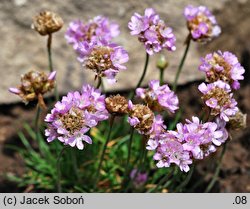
(23, 48)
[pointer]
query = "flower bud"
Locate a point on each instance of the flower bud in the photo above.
(162, 63)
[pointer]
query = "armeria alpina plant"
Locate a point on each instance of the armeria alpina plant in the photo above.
(135, 144)
(202, 26)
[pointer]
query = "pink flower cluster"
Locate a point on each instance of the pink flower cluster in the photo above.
(217, 96)
(223, 66)
(103, 58)
(92, 42)
(71, 118)
(99, 27)
(193, 140)
(138, 178)
(201, 23)
(152, 31)
(158, 98)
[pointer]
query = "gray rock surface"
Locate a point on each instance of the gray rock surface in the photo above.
(23, 48)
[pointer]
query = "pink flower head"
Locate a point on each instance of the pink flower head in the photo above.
(170, 150)
(98, 28)
(152, 31)
(218, 97)
(105, 59)
(159, 98)
(73, 116)
(201, 23)
(223, 66)
(138, 178)
(192, 140)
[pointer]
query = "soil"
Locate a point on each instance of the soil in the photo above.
(235, 170)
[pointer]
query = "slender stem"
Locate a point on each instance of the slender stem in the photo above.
(128, 157)
(161, 76)
(99, 83)
(38, 110)
(104, 149)
(129, 149)
(74, 161)
(49, 42)
(102, 87)
(139, 167)
(217, 171)
(163, 180)
(142, 76)
(59, 186)
(181, 63)
(142, 159)
(186, 181)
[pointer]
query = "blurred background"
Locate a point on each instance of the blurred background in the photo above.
(22, 49)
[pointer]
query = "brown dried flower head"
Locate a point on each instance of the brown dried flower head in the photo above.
(33, 85)
(238, 121)
(117, 104)
(145, 115)
(47, 22)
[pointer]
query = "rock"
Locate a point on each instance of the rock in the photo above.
(23, 48)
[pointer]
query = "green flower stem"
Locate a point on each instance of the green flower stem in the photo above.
(186, 181)
(128, 157)
(142, 76)
(139, 167)
(75, 165)
(99, 83)
(161, 76)
(163, 180)
(217, 171)
(59, 186)
(104, 149)
(181, 63)
(129, 150)
(38, 111)
(49, 43)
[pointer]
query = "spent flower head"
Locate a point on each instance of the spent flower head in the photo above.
(141, 118)
(152, 32)
(73, 116)
(34, 85)
(95, 29)
(105, 59)
(222, 66)
(201, 23)
(238, 121)
(117, 105)
(47, 22)
(158, 98)
(218, 97)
